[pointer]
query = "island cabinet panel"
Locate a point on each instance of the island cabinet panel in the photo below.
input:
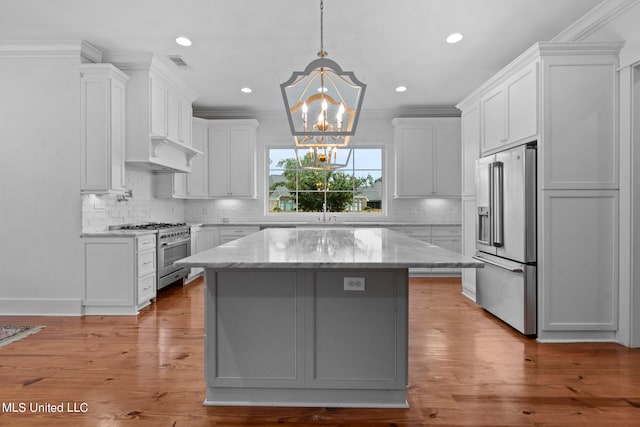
(357, 335)
(256, 323)
(296, 337)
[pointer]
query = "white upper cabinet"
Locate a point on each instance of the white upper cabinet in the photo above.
(186, 127)
(232, 158)
(509, 111)
(470, 148)
(197, 181)
(580, 102)
(102, 94)
(427, 157)
(159, 104)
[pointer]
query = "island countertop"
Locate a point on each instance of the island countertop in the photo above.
(328, 247)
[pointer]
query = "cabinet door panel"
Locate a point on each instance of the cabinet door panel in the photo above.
(174, 107)
(414, 156)
(197, 179)
(447, 162)
(522, 105)
(218, 162)
(579, 268)
(117, 134)
(158, 107)
(493, 120)
(240, 153)
(470, 149)
(186, 118)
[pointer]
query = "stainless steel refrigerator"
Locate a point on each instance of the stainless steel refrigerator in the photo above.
(506, 236)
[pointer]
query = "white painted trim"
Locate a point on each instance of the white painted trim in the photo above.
(50, 49)
(595, 20)
(626, 225)
(40, 307)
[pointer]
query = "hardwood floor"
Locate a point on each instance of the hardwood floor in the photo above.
(465, 368)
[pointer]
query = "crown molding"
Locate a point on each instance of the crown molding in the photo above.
(595, 20)
(50, 49)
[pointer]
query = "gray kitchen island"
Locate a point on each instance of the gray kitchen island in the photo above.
(311, 316)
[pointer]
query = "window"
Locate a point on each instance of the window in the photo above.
(356, 188)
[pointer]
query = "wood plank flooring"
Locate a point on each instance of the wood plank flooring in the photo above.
(465, 368)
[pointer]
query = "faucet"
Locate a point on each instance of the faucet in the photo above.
(325, 218)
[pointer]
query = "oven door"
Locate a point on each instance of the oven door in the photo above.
(168, 253)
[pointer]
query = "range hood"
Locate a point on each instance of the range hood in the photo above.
(159, 113)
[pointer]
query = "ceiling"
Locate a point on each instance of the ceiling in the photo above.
(258, 43)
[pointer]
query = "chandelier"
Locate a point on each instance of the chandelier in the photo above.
(323, 105)
(323, 157)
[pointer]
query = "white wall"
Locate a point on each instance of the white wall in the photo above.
(40, 214)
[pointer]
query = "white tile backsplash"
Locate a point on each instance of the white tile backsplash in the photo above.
(100, 211)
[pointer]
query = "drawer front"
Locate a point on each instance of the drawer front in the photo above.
(238, 231)
(446, 231)
(146, 242)
(420, 233)
(146, 287)
(227, 234)
(146, 262)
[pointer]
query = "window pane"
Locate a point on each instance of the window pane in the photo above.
(356, 188)
(368, 158)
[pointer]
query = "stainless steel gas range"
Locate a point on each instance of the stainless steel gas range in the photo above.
(173, 244)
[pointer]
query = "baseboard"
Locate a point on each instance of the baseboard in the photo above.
(40, 307)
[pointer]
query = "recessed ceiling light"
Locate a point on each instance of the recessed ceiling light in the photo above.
(454, 38)
(322, 89)
(183, 41)
(401, 89)
(246, 90)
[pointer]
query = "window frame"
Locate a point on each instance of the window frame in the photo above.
(337, 216)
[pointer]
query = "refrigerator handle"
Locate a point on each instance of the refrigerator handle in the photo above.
(497, 184)
(497, 264)
(491, 204)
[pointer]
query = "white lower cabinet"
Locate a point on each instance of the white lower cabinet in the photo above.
(450, 238)
(447, 237)
(469, 245)
(119, 274)
(202, 238)
(579, 266)
(229, 233)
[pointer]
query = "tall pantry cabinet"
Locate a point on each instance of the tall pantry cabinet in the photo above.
(564, 96)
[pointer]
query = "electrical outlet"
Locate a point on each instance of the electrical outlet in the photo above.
(354, 283)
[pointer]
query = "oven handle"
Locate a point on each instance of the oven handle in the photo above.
(166, 245)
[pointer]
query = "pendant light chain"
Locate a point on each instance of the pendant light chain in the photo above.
(322, 53)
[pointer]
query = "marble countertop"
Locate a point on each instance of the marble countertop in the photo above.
(328, 247)
(327, 224)
(118, 233)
